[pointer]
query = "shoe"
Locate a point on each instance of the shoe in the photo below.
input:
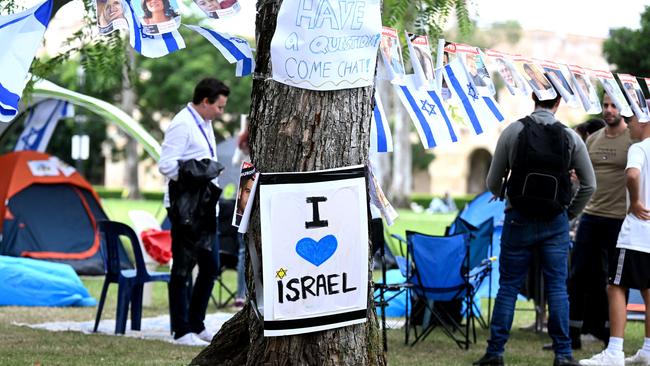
(489, 360)
(191, 339)
(640, 358)
(205, 335)
(239, 302)
(565, 361)
(605, 358)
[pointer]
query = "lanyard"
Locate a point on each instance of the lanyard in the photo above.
(198, 124)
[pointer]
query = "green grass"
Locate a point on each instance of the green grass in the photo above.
(26, 346)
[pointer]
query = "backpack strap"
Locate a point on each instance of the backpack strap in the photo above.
(504, 180)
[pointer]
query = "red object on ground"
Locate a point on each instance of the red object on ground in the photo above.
(158, 244)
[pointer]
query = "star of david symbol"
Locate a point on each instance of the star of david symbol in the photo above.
(30, 137)
(428, 107)
(471, 91)
(281, 273)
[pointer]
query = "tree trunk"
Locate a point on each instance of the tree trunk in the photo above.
(296, 130)
(400, 189)
(131, 149)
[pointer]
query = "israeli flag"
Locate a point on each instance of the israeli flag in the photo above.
(40, 123)
(149, 45)
(234, 49)
(381, 139)
(481, 112)
(424, 106)
(20, 36)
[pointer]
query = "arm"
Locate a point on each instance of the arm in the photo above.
(633, 183)
(585, 172)
(500, 161)
(173, 147)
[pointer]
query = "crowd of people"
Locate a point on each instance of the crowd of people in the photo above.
(604, 164)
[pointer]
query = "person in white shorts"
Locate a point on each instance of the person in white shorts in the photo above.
(630, 266)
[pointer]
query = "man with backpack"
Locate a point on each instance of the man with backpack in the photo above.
(531, 166)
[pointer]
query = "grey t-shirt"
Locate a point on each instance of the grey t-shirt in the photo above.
(504, 155)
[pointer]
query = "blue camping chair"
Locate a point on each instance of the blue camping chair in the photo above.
(130, 281)
(443, 272)
(480, 243)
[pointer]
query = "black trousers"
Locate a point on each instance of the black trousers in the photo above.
(595, 243)
(188, 303)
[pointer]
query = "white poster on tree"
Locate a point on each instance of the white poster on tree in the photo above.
(314, 250)
(326, 44)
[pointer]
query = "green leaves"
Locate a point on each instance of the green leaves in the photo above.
(627, 49)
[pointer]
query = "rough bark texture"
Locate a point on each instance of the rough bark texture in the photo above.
(402, 179)
(300, 130)
(128, 96)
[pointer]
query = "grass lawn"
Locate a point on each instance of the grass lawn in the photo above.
(25, 346)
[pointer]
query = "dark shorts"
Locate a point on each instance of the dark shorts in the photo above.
(630, 269)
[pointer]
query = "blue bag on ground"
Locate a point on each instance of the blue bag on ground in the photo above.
(31, 282)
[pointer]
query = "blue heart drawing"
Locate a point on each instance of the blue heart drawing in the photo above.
(317, 252)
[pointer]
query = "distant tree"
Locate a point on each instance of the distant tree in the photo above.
(627, 49)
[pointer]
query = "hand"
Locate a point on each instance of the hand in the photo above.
(639, 210)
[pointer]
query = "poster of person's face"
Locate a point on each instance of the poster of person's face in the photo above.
(422, 50)
(611, 88)
(635, 95)
(157, 16)
(534, 76)
(110, 16)
(247, 179)
(585, 89)
(509, 74)
(391, 53)
(557, 77)
(218, 8)
(474, 64)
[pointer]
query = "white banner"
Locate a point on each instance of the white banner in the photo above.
(314, 250)
(325, 44)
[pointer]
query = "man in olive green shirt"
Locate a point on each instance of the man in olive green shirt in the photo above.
(598, 228)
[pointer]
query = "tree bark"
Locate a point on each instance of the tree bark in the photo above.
(294, 130)
(402, 179)
(131, 181)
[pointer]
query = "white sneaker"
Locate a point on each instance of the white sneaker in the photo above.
(605, 358)
(640, 358)
(191, 339)
(205, 335)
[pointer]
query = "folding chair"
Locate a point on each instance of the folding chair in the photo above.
(442, 272)
(386, 290)
(480, 243)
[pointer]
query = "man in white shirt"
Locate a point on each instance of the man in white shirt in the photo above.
(190, 136)
(630, 267)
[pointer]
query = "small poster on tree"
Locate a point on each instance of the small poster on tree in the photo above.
(326, 44)
(314, 250)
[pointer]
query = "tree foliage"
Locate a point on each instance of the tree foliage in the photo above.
(627, 49)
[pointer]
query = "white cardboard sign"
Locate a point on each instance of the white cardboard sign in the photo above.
(326, 44)
(314, 250)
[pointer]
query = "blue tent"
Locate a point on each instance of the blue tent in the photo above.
(32, 282)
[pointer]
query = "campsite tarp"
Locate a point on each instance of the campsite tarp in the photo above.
(30, 282)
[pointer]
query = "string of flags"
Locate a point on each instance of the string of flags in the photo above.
(465, 84)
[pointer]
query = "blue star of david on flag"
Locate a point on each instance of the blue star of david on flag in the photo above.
(428, 107)
(471, 91)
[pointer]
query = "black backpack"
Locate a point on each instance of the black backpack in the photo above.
(540, 184)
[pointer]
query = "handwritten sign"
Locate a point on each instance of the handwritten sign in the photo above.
(314, 250)
(326, 44)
